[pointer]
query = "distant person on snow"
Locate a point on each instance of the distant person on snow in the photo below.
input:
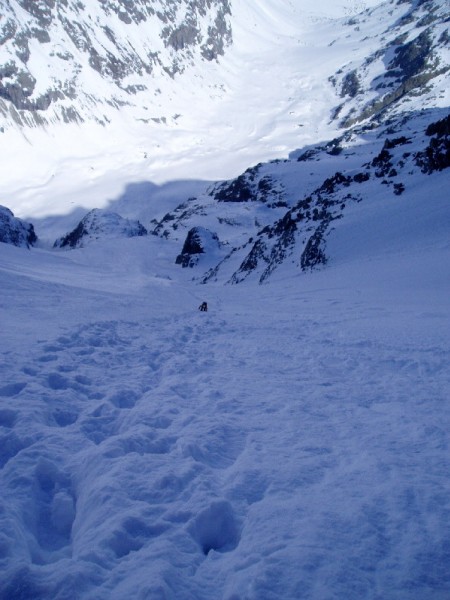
(203, 307)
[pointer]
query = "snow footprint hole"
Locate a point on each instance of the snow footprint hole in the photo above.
(10, 446)
(124, 398)
(216, 528)
(132, 536)
(101, 423)
(8, 418)
(55, 507)
(56, 381)
(64, 418)
(12, 389)
(219, 448)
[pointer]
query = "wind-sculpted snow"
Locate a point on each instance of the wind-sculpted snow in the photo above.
(292, 442)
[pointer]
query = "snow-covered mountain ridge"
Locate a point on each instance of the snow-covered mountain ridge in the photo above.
(379, 104)
(412, 62)
(284, 214)
(65, 60)
(378, 169)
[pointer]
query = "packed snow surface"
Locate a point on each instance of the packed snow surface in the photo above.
(292, 442)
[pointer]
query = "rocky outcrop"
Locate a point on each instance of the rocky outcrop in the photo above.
(100, 224)
(250, 187)
(15, 231)
(198, 241)
(436, 155)
(300, 234)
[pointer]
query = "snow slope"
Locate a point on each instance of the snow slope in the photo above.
(292, 442)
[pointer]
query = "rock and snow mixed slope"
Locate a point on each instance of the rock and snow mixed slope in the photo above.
(64, 60)
(283, 214)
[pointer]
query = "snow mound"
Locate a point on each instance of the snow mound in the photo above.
(99, 224)
(15, 231)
